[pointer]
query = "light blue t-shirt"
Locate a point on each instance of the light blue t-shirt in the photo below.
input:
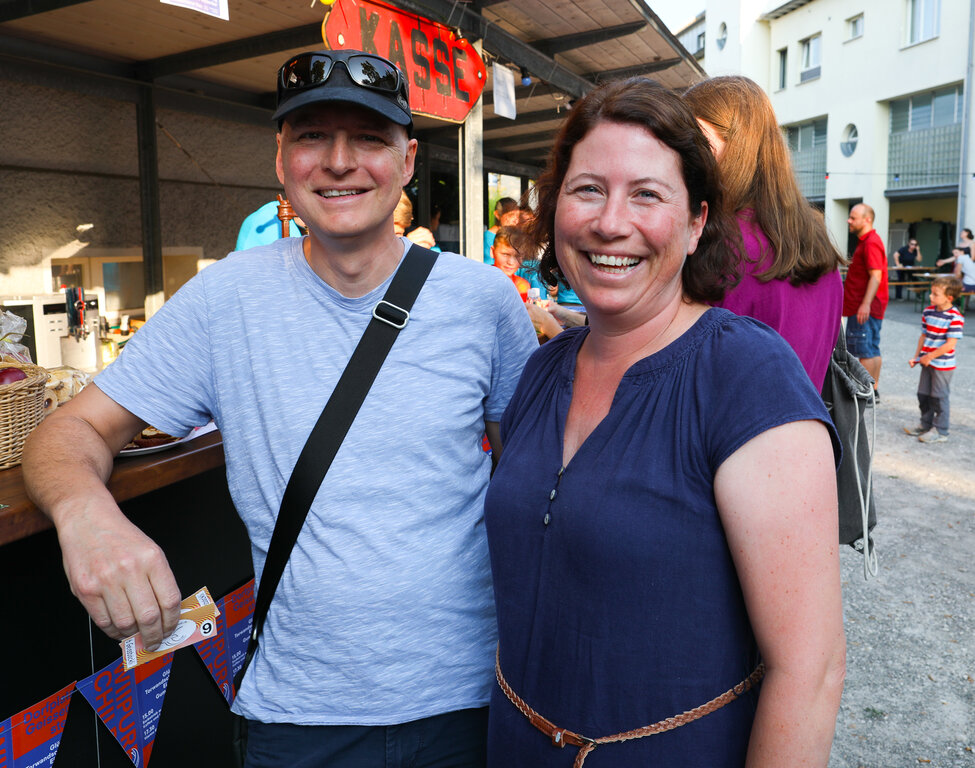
(385, 612)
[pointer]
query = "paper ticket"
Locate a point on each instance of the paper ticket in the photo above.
(197, 621)
(199, 598)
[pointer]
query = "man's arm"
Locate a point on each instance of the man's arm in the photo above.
(873, 284)
(120, 575)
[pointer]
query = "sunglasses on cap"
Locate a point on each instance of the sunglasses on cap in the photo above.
(308, 70)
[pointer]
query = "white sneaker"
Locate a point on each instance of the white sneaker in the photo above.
(933, 437)
(920, 429)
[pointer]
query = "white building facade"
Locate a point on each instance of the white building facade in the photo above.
(875, 99)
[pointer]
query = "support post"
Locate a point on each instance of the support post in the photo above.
(471, 181)
(152, 266)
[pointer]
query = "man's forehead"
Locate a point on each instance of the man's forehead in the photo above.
(341, 113)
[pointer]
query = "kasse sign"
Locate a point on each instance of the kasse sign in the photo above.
(445, 73)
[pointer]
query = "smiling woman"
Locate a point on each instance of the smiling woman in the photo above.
(653, 550)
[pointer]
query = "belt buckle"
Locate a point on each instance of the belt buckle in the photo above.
(561, 737)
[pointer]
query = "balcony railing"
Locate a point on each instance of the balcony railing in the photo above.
(810, 168)
(927, 158)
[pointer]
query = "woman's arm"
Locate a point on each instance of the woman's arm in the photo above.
(777, 499)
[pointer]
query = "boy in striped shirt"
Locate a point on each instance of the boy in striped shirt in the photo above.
(941, 327)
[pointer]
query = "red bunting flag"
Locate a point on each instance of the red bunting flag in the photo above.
(32, 737)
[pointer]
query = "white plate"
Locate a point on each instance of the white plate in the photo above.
(166, 446)
(152, 448)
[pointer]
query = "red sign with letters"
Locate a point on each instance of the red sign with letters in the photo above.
(446, 75)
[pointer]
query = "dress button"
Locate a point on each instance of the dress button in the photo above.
(547, 519)
(552, 495)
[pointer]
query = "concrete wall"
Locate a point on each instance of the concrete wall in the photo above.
(70, 158)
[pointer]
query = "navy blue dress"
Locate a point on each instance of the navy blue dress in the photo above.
(618, 601)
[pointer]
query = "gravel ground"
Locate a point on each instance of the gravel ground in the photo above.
(910, 687)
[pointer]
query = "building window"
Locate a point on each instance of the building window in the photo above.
(811, 58)
(700, 42)
(856, 27)
(849, 144)
(926, 110)
(922, 20)
(807, 147)
(783, 67)
(722, 36)
(808, 136)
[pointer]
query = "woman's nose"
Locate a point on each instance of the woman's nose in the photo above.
(612, 221)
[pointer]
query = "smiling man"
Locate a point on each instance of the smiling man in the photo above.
(379, 642)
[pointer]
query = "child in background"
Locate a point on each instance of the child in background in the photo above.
(507, 259)
(506, 214)
(941, 327)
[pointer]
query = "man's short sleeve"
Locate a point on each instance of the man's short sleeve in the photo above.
(876, 258)
(514, 341)
(163, 374)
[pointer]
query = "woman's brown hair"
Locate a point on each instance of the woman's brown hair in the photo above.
(646, 104)
(756, 172)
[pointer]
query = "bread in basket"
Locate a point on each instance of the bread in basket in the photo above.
(21, 409)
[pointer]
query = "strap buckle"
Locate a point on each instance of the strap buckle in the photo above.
(391, 314)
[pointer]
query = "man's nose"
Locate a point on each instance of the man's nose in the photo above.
(340, 156)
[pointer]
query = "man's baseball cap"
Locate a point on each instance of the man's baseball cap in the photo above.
(352, 77)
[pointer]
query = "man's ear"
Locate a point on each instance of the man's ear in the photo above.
(410, 165)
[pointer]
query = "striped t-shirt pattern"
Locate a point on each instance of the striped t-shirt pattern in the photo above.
(938, 326)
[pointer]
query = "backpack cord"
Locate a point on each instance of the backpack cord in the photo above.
(870, 563)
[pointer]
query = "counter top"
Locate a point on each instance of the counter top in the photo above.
(131, 477)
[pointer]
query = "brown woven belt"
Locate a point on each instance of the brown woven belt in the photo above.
(560, 736)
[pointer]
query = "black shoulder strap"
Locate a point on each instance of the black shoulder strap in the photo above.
(389, 316)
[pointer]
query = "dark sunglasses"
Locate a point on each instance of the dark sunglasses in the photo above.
(308, 70)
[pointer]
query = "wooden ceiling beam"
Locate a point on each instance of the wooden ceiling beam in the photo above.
(553, 45)
(309, 35)
(640, 69)
(518, 139)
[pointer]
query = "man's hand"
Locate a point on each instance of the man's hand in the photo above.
(120, 575)
(863, 313)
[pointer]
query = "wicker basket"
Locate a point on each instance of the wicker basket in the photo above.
(21, 409)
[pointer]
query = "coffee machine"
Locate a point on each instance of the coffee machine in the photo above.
(53, 337)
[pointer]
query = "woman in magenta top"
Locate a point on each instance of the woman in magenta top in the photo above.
(790, 269)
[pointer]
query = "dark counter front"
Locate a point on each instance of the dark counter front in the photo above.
(180, 499)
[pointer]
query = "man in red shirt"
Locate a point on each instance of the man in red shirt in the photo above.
(865, 292)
